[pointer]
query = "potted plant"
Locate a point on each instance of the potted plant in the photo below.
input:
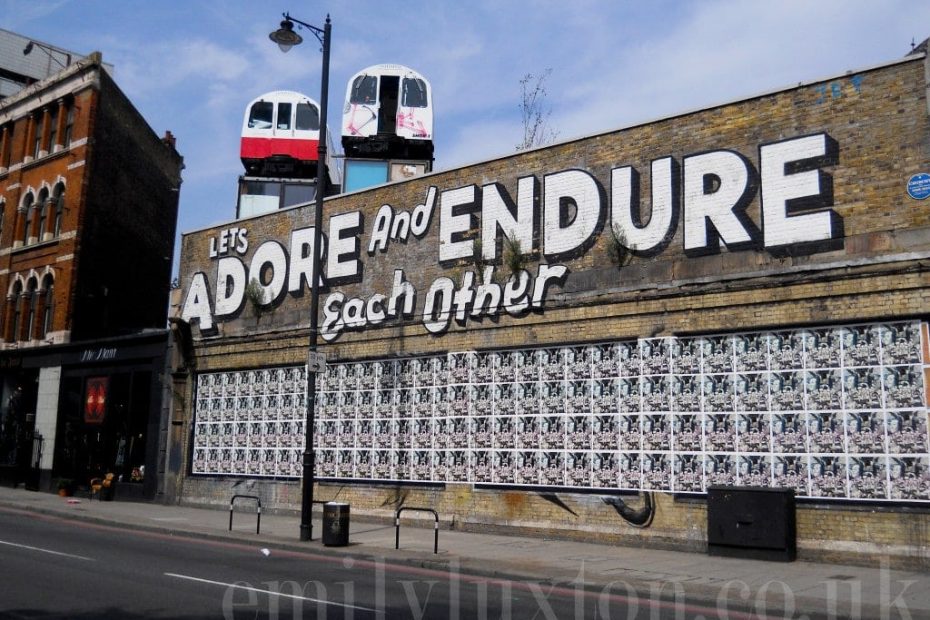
(65, 487)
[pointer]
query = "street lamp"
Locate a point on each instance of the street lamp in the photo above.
(286, 38)
(49, 52)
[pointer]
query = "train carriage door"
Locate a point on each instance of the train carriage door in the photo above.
(387, 114)
(284, 122)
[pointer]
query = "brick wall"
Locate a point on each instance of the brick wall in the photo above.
(875, 270)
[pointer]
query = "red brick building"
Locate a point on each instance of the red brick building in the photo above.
(88, 206)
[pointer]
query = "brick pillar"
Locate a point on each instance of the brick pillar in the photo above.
(33, 222)
(19, 227)
(8, 318)
(60, 121)
(44, 147)
(49, 231)
(30, 137)
(4, 147)
(23, 316)
(40, 315)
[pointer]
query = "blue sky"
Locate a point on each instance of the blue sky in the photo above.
(192, 66)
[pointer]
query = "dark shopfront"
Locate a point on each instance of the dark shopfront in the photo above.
(106, 397)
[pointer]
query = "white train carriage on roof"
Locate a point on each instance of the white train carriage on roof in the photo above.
(388, 113)
(280, 135)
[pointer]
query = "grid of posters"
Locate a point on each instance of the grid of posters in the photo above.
(833, 412)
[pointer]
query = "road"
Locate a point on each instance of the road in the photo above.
(56, 568)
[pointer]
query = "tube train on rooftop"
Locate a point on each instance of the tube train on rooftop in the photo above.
(280, 135)
(387, 121)
(388, 113)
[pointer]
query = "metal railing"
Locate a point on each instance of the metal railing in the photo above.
(435, 526)
(258, 501)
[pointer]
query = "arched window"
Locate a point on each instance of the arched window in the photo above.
(27, 216)
(17, 309)
(33, 299)
(48, 287)
(59, 200)
(42, 207)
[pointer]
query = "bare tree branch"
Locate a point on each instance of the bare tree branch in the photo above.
(535, 112)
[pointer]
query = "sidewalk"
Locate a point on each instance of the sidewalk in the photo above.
(827, 590)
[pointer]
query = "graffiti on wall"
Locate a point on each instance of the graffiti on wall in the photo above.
(555, 219)
(833, 412)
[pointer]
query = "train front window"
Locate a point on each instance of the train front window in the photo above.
(308, 117)
(260, 115)
(414, 95)
(364, 89)
(284, 116)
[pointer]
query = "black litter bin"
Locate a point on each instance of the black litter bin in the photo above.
(335, 524)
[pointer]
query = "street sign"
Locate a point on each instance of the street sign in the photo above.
(316, 362)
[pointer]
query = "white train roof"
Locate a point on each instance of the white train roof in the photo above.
(389, 69)
(283, 95)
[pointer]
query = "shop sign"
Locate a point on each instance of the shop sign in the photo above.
(99, 354)
(95, 400)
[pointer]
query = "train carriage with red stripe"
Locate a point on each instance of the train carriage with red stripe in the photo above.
(280, 135)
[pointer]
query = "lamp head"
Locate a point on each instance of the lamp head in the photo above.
(28, 49)
(285, 36)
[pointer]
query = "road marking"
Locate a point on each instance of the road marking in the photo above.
(168, 519)
(67, 555)
(269, 592)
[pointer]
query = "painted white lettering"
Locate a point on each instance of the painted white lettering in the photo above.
(464, 297)
(497, 214)
(438, 307)
(455, 207)
(213, 253)
(515, 297)
(779, 188)
(332, 317)
(197, 303)
(301, 260)
(715, 188)
(401, 289)
(342, 258)
(487, 295)
(400, 228)
(269, 254)
(230, 285)
(647, 237)
(353, 313)
(572, 211)
(544, 275)
(379, 233)
(423, 214)
(374, 310)
(243, 245)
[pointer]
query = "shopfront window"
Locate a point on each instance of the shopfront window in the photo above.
(104, 425)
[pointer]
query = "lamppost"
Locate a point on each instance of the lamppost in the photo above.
(48, 52)
(286, 38)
